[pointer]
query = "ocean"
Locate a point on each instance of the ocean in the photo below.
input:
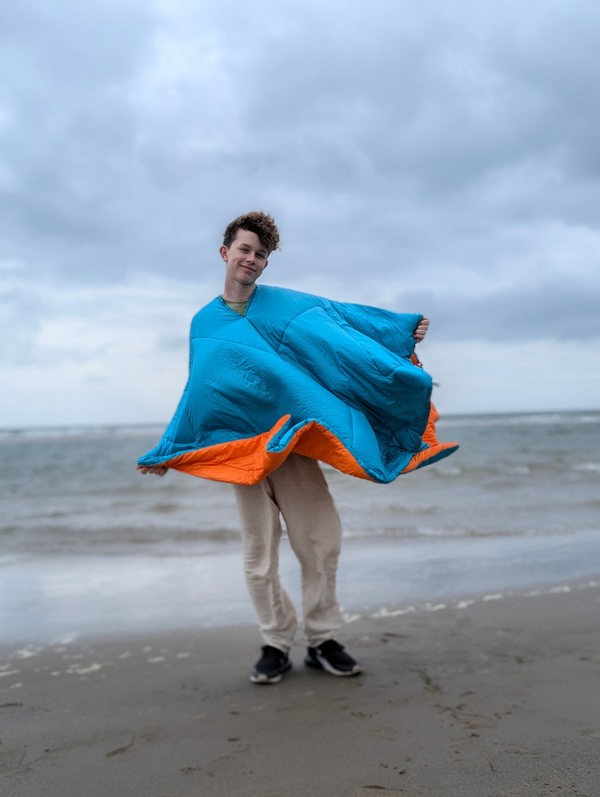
(89, 546)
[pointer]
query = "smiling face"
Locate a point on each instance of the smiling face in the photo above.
(245, 260)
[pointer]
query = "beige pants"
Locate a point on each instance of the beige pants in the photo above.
(298, 492)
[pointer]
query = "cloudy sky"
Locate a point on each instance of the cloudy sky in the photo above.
(435, 156)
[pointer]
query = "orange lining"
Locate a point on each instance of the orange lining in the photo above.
(247, 461)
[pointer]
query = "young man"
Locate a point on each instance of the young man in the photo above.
(294, 490)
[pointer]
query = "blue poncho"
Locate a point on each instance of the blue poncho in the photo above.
(328, 380)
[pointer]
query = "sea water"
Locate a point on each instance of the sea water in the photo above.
(90, 546)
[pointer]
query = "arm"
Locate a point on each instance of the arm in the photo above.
(395, 331)
(160, 470)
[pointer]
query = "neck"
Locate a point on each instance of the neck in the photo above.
(237, 292)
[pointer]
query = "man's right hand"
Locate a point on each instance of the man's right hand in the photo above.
(158, 470)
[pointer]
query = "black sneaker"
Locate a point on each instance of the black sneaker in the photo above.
(331, 657)
(271, 666)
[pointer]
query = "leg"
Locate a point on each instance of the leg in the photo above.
(314, 531)
(261, 534)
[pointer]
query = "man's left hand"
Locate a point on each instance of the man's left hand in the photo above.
(421, 329)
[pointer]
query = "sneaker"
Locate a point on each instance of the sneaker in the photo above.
(270, 667)
(331, 657)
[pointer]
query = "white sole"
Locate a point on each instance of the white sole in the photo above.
(323, 664)
(274, 679)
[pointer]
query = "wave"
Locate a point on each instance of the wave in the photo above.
(460, 533)
(587, 467)
(521, 419)
(80, 432)
(91, 431)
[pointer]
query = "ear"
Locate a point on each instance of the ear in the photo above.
(223, 251)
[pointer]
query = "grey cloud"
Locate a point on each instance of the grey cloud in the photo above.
(20, 316)
(555, 311)
(133, 132)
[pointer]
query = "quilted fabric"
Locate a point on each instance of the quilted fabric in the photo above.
(328, 380)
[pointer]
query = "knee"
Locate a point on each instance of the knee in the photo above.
(260, 562)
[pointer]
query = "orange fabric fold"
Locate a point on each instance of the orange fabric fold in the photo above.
(434, 449)
(248, 460)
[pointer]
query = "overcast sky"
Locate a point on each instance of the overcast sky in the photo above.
(434, 156)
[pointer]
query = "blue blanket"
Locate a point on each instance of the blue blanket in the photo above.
(297, 372)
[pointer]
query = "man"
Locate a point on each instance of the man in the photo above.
(294, 490)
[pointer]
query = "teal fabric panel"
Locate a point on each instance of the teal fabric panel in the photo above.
(346, 366)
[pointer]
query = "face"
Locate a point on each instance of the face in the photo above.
(245, 260)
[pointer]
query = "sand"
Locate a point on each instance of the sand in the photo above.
(498, 698)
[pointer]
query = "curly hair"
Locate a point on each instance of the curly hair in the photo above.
(257, 222)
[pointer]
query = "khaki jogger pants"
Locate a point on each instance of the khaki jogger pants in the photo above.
(298, 492)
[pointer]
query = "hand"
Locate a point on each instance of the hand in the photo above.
(421, 329)
(158, 470)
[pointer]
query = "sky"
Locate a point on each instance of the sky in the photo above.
(431, 156)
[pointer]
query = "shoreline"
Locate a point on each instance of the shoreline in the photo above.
(54, 597)
(494, 697)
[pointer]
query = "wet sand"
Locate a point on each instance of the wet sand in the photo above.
(499, 698)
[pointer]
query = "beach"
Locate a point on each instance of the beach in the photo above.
(495, 698)
(470, 594)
